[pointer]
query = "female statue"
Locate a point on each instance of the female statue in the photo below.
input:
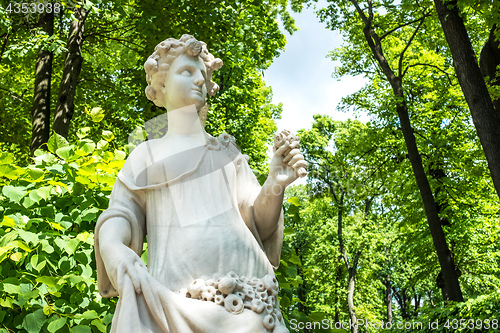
(214, 234)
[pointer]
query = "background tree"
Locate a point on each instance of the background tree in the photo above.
(486, 119)
(365, 23)
(99, 50)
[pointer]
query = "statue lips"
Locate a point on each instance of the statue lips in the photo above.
(198, 90)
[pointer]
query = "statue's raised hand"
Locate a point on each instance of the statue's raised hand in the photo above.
(287, 163)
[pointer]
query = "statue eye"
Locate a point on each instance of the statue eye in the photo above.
(186, 72)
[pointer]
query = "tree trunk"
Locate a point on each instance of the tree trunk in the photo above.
(351, 268)
(350, 292)
(404, 305)
(40, 113)
(388, 301)
(338, 282)
(429, 295)
(443, 252)
(489, 60)
(445, 258)
(418, 298)
(388, 297)
(71, 71)
(485, 118)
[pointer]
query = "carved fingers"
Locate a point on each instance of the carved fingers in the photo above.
(287, 145)
(127, 265)
(285, 148)
(147, 289)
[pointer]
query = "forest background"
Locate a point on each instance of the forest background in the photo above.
(398, 222)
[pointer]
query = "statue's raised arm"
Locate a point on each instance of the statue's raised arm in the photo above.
(214, 235)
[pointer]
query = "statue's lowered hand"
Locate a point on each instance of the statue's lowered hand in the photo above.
(121, 261)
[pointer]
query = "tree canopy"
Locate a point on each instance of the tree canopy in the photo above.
(399, 219)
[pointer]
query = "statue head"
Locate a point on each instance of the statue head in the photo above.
(185, 49)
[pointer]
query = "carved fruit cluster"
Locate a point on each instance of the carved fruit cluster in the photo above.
(237, 293)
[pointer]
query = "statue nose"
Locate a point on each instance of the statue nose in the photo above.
(199, 80)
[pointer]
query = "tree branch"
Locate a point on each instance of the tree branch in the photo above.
(4, 44)
(19, 98)
(400, 26)
(400, 65)
(366, 21)
(128, 26)
(121, 41)
(433, 66)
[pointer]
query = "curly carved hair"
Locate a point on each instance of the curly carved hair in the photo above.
(165, 53)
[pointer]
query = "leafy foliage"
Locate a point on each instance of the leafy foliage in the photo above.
(118, 38)
(49, 208)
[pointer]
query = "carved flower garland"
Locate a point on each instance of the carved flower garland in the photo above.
(237, 293)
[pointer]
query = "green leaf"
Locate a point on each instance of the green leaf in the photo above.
(33, 322)
(42, 156)
(28, 202)
(8, 222)
(83, 132)
(10, 171)
(317, 316)
(35, 173)
(16, 256)
(34, 196)
(6, 158)
(295, 259)
(28, 237)
(81, 329)
(20, 244)
(34, 262)
(294, 200)
(66, 153)
(108, 135)
(15, 194)
(96, 114)
(46, 247)
(291, 272)
(120, 155)
(50, 281)
(55, 142)
(44, 192)
(61, 243)
(102, 144)
(90, 314)
(57, 324)
(85, 147)
(100, 326)
(6, 303)
(11, 286)
(72, 245)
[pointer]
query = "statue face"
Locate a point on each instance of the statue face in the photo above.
(185, 83)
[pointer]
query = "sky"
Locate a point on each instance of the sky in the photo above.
(301, 77)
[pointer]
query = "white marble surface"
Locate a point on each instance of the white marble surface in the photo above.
(214, 234)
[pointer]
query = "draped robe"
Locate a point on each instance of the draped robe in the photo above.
(196, 208)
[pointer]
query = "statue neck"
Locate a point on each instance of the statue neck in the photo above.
(185, 122)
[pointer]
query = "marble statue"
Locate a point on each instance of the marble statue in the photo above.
(214, 235)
